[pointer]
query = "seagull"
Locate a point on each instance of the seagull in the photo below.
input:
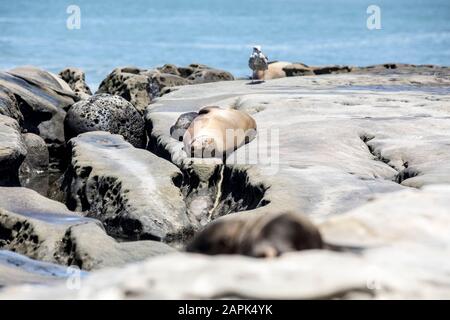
(257, 61)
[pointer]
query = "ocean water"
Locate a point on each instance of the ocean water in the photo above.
(220, 33)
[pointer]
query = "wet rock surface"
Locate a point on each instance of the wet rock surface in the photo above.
(104, 112)
(18, 269)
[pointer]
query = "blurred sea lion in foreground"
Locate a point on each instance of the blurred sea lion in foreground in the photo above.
(264, 236)
(217, 132)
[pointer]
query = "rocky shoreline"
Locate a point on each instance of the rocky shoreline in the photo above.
(354, 195)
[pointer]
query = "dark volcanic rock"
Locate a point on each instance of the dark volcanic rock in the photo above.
(141, 86)
(104, 112)
(76, 80)
(128, 83)
(12, 151)
(42, 229)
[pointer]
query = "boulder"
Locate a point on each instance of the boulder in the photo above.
(75, 78)
(12, 151)
(130, 190)
(46, 230)
(37, 158)
(130, 84)
(33, 172)
(205, 75)
(141, 86)
(42, 98)
(9, 106)
(104, 112)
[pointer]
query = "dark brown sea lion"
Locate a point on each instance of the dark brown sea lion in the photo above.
(268, 235)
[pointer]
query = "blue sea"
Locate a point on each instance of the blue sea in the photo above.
(220, 33)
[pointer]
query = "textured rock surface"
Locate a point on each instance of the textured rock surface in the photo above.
(104, 112)
(76, 80)
(9, 106)
(42, 98)
(130, 190)
(403, 254)
(46, 230)
(141, 86)
(12, 151)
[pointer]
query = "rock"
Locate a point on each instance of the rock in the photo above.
(9, 106)
(395, 260)
(76, 80)
(206, 75)
(164, 81)
(141, 86)
(128, 83)
(37, 158)
(42, 98)
(103, 112)
(33, 172)
(424, 216)
(267, 235)
(44, 80)
(46, 230)
(12, 151)
(18, 269)
(311, 274)
(130, 190)
(170, 69)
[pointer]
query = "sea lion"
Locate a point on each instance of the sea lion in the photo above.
(183, 122)
(267, 235)
(217, 132)
(274, 71)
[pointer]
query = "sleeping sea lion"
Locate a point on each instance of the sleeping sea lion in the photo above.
(256, 235)
(217, 132)
(274, 71)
